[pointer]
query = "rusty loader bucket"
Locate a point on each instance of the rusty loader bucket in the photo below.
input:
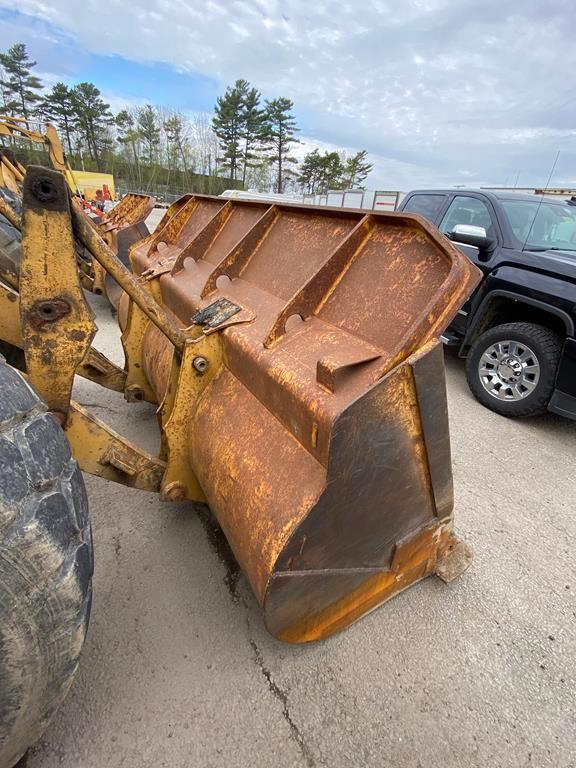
(122, 227)
(316, 423)
(294, 356)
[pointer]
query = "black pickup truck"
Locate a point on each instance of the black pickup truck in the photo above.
(517, 329)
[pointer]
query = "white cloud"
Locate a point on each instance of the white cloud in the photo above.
(427, 86)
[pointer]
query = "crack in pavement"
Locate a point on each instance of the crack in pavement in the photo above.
(220, 545)
(282, 697)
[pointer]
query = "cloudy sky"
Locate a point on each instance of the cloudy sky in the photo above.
(438, 91)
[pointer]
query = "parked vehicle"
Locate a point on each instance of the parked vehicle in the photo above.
(517, 330)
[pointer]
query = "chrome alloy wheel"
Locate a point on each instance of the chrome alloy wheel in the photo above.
(509, 370)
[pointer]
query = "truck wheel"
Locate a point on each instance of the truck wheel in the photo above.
(45, 566)
(511, 368)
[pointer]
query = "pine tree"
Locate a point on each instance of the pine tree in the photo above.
(94, 117)
(309, 171)
(357, 169)
(58, 107)
(253, 121)
(332, 171)
(19, 87)
(279, 134)
(4, 92)
(228, 125)
(319, 173)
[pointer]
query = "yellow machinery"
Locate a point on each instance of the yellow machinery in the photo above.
(84, 183)
(18, 127)
(120, 227)
(11, 173)
(92, 186)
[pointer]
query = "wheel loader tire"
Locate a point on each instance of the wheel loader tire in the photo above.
(13, 200)
(10, 252)
(45, 566)
(10, 256)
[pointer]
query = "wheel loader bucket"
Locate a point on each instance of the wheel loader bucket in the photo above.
(320, 435)
(122, 227)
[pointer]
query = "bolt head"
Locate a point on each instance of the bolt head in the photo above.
(200, 364)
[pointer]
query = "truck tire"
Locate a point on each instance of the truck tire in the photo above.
(511, 368)
(45, 566)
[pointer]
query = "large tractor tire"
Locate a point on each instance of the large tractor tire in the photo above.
(10, 257)
(45, 566)
(14, 200)
(10, 251)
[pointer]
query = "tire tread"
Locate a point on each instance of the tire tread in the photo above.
(46, 566)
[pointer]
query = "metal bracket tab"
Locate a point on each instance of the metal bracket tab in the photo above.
(215, 314)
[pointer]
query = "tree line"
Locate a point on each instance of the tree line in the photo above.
(247, 142)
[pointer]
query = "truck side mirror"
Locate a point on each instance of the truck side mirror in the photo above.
(470, 234)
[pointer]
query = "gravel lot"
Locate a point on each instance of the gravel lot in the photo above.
(179, 671)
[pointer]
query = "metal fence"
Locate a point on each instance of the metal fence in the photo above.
(363, 199)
